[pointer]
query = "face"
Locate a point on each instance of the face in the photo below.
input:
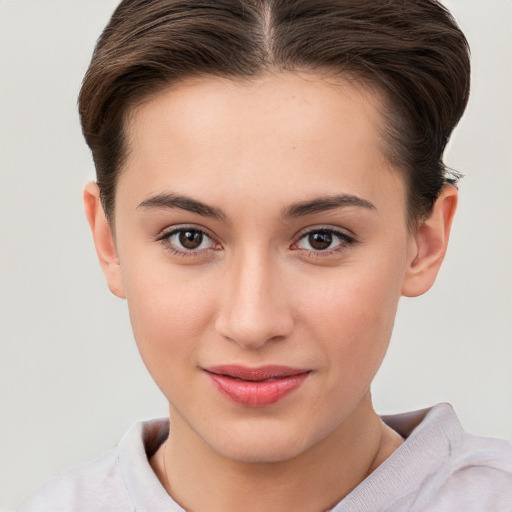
(262, 244)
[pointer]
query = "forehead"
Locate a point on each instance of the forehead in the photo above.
(299, 107)
(215, 134)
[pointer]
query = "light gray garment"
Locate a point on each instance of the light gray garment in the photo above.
(439, 468)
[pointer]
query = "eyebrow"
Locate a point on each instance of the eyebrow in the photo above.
(172, 201)
(317, 205)
(322, 204)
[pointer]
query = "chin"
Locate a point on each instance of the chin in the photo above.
(261, 453)
(266, 444)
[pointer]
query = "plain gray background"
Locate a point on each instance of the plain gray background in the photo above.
(71, 379)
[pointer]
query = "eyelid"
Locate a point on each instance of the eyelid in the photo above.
(169, 231)
(344, 232)
(346, 237)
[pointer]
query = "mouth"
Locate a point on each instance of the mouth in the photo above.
(256, 387)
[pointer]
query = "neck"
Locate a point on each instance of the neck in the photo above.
(316, 479)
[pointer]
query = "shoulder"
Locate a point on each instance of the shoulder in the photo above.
(119, 480)
(476, 477)
(441, 468)
(467, 472)
(97, 485)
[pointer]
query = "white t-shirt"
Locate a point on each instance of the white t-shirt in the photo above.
(438, 468)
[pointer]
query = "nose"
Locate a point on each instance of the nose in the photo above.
(255, 308)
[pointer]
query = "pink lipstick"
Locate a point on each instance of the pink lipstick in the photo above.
(256, 387)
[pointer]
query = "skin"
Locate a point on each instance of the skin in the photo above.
(256, 291)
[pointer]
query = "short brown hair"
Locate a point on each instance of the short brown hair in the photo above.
(412, 50)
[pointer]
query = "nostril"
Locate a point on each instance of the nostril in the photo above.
(255, 333)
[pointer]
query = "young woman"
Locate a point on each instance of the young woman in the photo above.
(269, 183)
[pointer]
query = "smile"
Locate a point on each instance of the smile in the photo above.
(256, 387)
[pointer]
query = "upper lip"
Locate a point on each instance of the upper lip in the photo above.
(259, 373)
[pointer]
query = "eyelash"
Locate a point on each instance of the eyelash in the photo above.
(164, 236)
(345, 241)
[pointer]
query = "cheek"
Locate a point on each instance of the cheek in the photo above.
(351, 300)
(169, 311)
(352, 317)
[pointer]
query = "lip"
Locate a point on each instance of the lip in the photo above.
(256, 387)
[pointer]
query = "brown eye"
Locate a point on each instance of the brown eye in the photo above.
(324, 241)
(190, 238)
(187, 241)
(320, 240)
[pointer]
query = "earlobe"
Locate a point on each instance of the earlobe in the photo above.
(103, 239)
(429, 244)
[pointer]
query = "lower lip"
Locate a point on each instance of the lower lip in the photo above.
(257, 393)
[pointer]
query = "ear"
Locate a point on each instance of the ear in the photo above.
(429, 243)
(103, 239)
